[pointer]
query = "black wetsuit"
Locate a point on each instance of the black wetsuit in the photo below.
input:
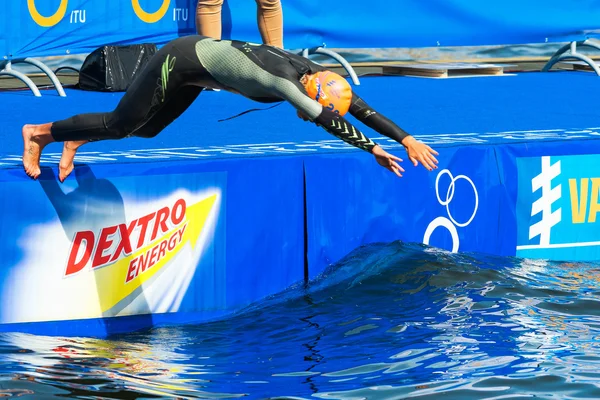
(179, 71)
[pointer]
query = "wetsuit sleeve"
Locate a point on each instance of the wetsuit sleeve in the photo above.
(374, 120)
(341, 128)
(333, 123)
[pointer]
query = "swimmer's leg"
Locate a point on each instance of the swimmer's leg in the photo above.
(35, 138)
(169, 112)
(173, 67)
(65, 166)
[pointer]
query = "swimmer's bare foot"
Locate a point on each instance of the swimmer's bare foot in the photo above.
(65, 166)
(35, 138)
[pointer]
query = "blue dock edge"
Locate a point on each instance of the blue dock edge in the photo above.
(193, 227)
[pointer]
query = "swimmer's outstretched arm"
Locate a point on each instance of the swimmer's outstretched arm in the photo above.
(341, 128)
(335, 124)
(417, 151)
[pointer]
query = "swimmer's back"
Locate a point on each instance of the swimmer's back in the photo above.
(256, 71)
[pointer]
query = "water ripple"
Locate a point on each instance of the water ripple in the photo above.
(389, 321)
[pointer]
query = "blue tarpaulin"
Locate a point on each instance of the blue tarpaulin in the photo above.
(59, 27)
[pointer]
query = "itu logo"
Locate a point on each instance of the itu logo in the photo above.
(543, 204)
(450, 223)
(147, 17)
(53, 19)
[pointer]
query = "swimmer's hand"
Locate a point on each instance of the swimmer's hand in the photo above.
(420, 152)
(388, 160)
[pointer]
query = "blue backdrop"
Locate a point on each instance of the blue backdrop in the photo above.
(58, 27)
(452, 208)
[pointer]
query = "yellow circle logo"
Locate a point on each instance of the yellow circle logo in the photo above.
(150, 18)
(51, 20)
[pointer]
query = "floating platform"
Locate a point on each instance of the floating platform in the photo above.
(208, 217)
(449, 70)
(580, 65)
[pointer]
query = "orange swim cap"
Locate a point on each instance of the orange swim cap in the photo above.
(331, 90)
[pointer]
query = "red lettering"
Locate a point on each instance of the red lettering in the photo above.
(181, 232)
(143, 222)
(179, 206)
(144, 261)
(74, 266)
(133, 268)
(103, 244)
(125, 243)
(177, 238)
(173, 241)
(161, 219)
(162, 249)
(153, 257)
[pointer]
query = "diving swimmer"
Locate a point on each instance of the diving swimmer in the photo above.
(181, 69)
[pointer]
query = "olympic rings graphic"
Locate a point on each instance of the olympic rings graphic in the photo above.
(52, 20)
(451, 223)
(150, 18)
(450, 195)
(445, 222)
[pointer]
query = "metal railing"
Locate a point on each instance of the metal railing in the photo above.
(6, 69)
(322, 50)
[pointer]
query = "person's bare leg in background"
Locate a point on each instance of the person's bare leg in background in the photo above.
(269, 15)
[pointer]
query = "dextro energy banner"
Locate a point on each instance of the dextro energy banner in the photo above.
(104, 247)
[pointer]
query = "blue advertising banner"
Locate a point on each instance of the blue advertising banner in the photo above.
(550, 201)
(558, 202)
(148, 241)
(57, 27)
(358, 202)
(187, 239)
(107, 247)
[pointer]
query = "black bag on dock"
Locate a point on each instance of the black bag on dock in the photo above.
(113, 68)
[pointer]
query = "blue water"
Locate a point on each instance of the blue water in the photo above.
(389, 321)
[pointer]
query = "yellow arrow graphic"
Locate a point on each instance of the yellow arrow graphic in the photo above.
(111, 280)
